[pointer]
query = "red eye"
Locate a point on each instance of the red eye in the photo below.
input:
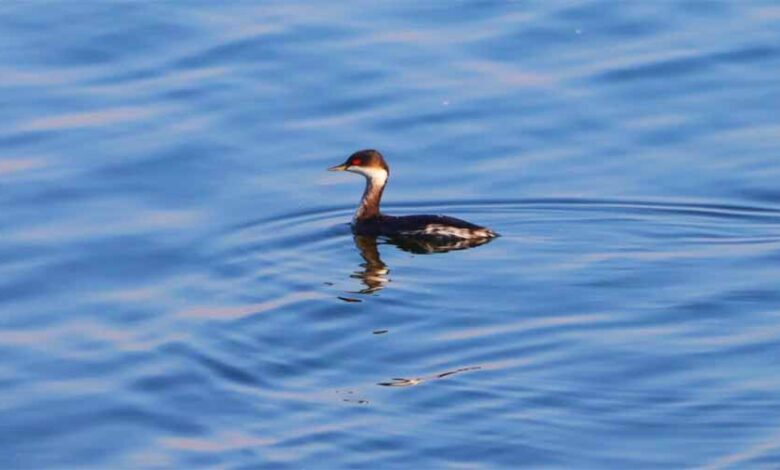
(357, 161)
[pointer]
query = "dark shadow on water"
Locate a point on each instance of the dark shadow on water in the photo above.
(374, 272)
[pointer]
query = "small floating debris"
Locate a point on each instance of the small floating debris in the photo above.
(402, 382)
(380, 332)
(329, 283)
(349, 299)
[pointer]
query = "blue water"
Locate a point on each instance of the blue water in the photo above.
(179, 286)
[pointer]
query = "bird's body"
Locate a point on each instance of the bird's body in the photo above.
(370, 221)
(434, 226)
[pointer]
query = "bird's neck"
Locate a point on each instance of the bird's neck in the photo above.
(372, 196)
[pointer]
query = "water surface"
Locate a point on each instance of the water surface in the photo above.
(180, 287)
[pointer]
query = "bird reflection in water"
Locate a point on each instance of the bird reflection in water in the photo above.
(374, 272)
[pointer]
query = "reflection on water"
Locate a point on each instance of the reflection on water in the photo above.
(374, 272)
(402, 382)
(171, 256)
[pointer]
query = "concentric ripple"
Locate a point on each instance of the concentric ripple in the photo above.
(180, 287)
(585, 317)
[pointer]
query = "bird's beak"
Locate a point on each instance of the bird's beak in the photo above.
(342, 167)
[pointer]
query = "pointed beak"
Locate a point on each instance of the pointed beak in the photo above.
(342, 167)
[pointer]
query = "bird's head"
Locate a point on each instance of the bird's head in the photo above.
(369, 163)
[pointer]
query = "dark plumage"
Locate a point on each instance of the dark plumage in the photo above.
(409, 224)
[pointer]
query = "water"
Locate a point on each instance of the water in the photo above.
(180, 288)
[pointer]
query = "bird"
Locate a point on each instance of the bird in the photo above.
(370, 221)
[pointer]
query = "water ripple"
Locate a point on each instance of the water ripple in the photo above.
(180, 286)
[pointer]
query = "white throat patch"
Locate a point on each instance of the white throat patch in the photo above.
(377, 176)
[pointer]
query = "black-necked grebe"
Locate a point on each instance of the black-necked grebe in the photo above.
(369, 220)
